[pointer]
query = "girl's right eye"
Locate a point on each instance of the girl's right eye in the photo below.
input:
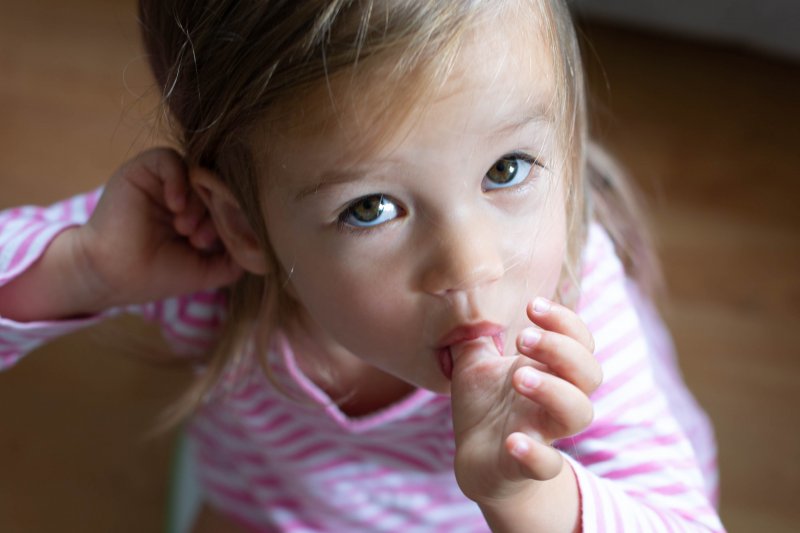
(369, 211)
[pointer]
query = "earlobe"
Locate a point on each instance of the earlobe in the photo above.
(232, 225)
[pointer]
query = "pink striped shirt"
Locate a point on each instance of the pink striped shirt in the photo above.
(287, 459)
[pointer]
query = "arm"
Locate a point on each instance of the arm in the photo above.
(631, 469)
(634, 465)
(147, 239)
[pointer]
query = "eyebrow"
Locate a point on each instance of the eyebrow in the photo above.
(331, 178)
(539, 113)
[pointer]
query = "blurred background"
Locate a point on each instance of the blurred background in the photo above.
(700, 100)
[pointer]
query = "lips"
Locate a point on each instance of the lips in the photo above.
(466, 333)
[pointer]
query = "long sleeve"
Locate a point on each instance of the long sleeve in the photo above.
(636, 469)
(189, 323)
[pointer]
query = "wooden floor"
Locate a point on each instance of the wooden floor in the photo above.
(713, 134)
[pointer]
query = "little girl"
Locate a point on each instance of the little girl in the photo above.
(386, 245)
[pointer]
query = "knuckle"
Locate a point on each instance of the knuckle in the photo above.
(591, 343)
(597, 378)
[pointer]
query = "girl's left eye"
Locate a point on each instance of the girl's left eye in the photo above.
(508, 171)
(369, 211)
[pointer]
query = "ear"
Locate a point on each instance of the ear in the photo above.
(229, 219)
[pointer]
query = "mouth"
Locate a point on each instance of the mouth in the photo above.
(464, 334)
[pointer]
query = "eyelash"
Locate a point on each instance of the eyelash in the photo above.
(341, 221)
(342, 225)
(522, 156)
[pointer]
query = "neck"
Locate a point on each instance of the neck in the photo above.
(358, 388)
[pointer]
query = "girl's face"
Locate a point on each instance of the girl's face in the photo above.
(442, 234)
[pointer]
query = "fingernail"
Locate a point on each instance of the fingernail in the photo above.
(529, 337)
(530, 378)
(541, 305)
(520, 448)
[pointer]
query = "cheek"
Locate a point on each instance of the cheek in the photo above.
(351, 303)
(540, 247)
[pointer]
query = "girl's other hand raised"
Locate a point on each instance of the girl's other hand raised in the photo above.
(149, 238)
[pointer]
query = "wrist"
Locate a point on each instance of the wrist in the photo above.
(531, 505)
(55, 286)
(87, 290)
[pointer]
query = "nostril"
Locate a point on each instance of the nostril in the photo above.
(443, 281)
(464, 254)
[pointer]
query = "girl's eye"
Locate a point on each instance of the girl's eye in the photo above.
(508, 171)
(369, 211)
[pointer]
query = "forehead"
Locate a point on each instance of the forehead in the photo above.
(502, 75)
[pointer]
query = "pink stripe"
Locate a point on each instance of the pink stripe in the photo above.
(267, 479)
(618, 520)
(9, 359)
(158, 310)
(403, 458)
(272, 424)
(308, 452)
(672, 489)
(242, 459)
(66, 210)
(17, 232)
(213, 462)
(664, 518)
(696, 514)
(208, 442)
(605, 353)
(597, 457)
(22, 250)
(9, 215)
(638, 402)
(596, 432)
(588, 268)
(609, 455)
(337, 462)
(185, 316)
(90, 200)
(650, 467)
(620, 380)
(598, 505)
(294, 436)
(591, 296)
(607, 426)
(610, 314)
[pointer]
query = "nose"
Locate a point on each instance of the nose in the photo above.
(465, 254)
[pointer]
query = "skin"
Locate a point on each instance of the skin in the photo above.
(375, 303)
(373, 314)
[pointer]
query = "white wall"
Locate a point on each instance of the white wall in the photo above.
(769, 25)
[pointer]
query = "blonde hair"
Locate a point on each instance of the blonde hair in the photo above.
(225, 66)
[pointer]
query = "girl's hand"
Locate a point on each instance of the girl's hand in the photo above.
(150, 237)
(508, 410)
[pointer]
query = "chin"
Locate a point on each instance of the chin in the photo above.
(440, 387)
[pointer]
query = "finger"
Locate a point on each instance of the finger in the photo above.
(170, 185)
(563, 356)
(536, 459)
(219, 270)
(188, 220)
(205, 236)
(555, 317)
(176, 191)
(568, 409)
